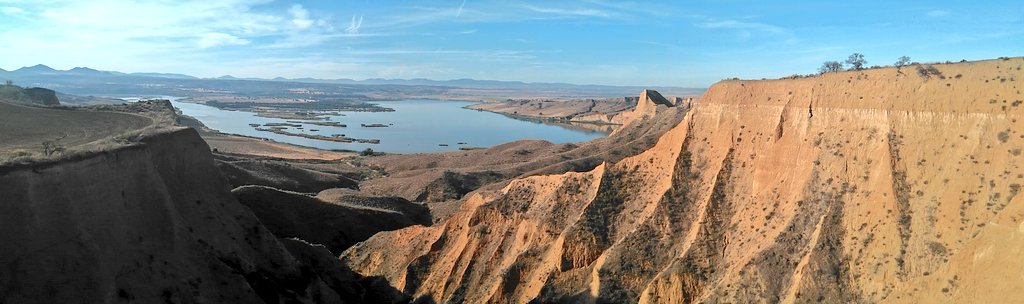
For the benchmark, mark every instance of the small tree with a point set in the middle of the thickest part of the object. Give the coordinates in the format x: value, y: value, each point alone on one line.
x: 830, y: 66
x: 856, y: 61
x: 902, y: 62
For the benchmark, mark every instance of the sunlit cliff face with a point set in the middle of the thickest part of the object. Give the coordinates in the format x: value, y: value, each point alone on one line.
x: 877, y: 185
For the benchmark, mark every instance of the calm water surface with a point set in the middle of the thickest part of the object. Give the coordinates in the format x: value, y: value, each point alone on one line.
x: 415, y: 126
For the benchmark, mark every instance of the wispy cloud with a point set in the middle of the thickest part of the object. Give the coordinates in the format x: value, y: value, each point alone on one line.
x: 741, y: 25
x: 503, y: 11
x: 357, y: 22
x: 575, y: 12
x: 663, y: 45
x: 459, y: 13
x: 208, y: 40
x: 744, y: 29
x: 645, y: 8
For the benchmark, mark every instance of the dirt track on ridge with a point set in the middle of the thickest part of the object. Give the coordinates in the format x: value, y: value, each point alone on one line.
x: 25, y: 127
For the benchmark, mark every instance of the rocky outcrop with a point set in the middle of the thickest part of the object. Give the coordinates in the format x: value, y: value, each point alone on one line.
x: 348, y: 197
x: 34, y: 96
x: 882, y: 185
x: 280, y: 175
x: 151, y: 222
x: 648, y: 105
x: 42, y: 96
x: 452, y: 185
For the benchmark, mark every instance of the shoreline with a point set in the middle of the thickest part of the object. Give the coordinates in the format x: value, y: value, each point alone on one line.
x: 561, y: 122
x: 239, y: 144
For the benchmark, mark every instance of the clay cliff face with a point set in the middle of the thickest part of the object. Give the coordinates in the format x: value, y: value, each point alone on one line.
x: 882, y: 185
x: 151, y: 222
x: 647, y: 106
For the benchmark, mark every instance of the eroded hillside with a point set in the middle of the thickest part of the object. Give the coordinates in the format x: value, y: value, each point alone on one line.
x: 882, y: 185
x: 153, y: 221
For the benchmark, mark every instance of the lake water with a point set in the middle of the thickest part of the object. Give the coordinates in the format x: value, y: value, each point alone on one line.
x: 415, y: 126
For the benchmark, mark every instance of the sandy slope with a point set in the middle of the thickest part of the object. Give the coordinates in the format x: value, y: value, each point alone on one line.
x: 871, y: 186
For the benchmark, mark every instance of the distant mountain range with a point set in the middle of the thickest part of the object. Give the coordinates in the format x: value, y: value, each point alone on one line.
x: 84, y: 80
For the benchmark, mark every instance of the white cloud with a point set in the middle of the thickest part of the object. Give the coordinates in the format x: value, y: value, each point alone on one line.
x: 300, y: 17
x: 138, y: 36
x: 209, y: 40
x: 178, y: 24
x: 11, y: 10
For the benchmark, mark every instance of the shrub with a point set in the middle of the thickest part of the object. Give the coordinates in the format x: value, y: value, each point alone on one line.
x: 856, y: 61
x: 937, y: 248
x: 830, y: 66
x: 922, y: 72
x: 903, y: 61
x: 51, y: 148
x: 927, y: 72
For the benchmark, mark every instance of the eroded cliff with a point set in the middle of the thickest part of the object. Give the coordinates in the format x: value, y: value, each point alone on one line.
x: 884, y: 185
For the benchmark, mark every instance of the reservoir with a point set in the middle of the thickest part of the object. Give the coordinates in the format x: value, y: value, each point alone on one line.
x: 415, y: 126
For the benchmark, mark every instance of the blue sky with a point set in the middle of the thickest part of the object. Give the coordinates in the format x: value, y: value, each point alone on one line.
x: 663, y: 43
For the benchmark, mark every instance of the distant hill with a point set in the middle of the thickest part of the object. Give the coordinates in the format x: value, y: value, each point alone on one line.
x: 89, y: 81
x: 82, y: 71
x: 78, y: 100
x: 39, y: 68
x: 40, y: 96
x: 164, y: 75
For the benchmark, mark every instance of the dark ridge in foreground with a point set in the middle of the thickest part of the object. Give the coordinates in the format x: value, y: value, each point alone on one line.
x: 153, y: 222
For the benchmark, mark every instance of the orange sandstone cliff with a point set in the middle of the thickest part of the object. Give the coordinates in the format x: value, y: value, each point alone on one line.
x: 881, y: 185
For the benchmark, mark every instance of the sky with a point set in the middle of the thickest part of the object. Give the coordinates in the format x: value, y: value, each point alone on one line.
x: 644, y: 43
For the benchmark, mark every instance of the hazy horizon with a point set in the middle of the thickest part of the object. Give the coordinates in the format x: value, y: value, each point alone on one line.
x: 653, y: 43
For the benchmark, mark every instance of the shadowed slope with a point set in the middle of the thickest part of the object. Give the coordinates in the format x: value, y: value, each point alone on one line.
x: 337, y: 226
